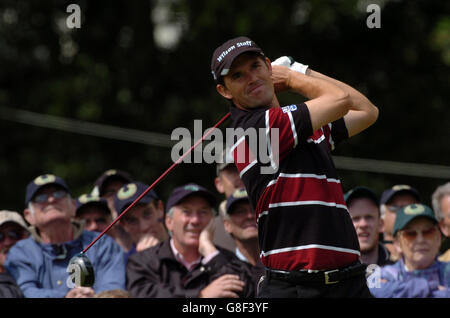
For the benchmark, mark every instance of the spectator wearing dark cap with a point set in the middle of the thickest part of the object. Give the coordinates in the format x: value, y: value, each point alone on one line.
x: 106, y: 187
x: 391, y: 201
x: 418, y: 273
x: 240, y: 223
x: 144, y: 222
x: 188, y: 264
x: 441, y: 206
x: 363, y: 206
x: 39, y: 263
x: 94, y: 211
x: 12, y: 229
x: 226, y: 182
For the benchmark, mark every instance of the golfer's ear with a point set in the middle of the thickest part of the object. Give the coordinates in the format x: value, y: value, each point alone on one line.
x: 223, y: 91
x: 269, y: 64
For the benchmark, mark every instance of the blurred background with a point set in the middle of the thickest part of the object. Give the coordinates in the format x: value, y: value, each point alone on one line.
x: 78, y: 101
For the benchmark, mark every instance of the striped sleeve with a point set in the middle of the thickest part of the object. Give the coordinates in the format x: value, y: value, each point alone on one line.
x: 335, y: 132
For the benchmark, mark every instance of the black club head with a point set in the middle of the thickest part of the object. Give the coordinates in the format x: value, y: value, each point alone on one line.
x: 81, y: 271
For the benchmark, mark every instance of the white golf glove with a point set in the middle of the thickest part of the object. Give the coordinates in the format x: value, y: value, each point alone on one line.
x: 289, y: 62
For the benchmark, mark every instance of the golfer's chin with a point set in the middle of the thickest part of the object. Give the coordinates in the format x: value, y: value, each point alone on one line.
x: 252, y: 102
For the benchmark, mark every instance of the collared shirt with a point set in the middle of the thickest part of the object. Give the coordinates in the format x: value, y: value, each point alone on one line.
x: 156, y: 273
x: 383, y: 256
x: 398, y: 281
x: 303, y: 221
x: 190, y: 265
x: 40, y: 269
x: 241, y: 256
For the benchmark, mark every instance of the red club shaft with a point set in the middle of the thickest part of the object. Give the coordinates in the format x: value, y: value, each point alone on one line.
x: 157, y: 181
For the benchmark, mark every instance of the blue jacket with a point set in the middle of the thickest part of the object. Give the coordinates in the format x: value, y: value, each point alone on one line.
x: 39, y: 273
x: 396, y: 282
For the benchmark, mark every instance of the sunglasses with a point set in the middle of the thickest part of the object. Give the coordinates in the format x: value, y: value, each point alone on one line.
x: 394, y: 208
x: 42, y: 198
x: 13, y: 235
x: 411, y: 235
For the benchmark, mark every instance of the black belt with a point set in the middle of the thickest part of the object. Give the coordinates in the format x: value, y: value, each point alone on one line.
x: 322, y: 277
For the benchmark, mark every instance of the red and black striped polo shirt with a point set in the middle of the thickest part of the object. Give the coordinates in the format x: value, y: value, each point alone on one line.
x: 303, y: 221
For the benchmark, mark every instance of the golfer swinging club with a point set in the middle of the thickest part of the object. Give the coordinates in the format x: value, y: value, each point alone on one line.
x: 307, y: 241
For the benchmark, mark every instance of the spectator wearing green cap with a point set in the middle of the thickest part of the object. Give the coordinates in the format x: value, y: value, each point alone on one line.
x: 418, y: 274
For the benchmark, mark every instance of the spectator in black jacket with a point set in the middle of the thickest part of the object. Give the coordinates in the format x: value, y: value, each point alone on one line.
x: 8, y: 287
x: 189, y: 264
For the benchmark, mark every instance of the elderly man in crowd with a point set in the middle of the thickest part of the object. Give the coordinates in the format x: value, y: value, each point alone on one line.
x: 189, y: 264
x: 392, y: 200
x: 441, y: 206
x: 39, y: 263
x: 418, y: 274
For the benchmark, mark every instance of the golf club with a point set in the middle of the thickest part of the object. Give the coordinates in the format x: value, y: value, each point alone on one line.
x: 80, y: 265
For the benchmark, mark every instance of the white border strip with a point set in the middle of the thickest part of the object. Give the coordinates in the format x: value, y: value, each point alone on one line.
x: 294, y: 132
x: 251, y: 164
x: 332, y: 204
x: 304, y: 247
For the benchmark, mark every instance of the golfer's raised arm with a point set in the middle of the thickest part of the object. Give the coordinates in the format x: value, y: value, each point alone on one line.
x: 362, y: 113
x: 327, y: 103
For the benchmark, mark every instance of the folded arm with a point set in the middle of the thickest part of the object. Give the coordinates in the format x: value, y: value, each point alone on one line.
x: 362, y: 113
x: 327, y: 101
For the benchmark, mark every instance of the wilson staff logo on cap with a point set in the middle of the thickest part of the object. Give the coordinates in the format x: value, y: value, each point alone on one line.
x: 225, y: 54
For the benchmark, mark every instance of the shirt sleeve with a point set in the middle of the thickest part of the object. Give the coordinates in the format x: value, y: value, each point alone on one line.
x: 109, y: 265
x: 22, y: 268
x: 392, y: 287
x: 335, y: 132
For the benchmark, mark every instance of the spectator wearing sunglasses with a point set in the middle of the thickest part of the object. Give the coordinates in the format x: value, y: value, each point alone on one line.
x: 12, y: 229
x: 94, y: 211
x: 391, y: 201
x: 39, y: 263
x: 418, y: 274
